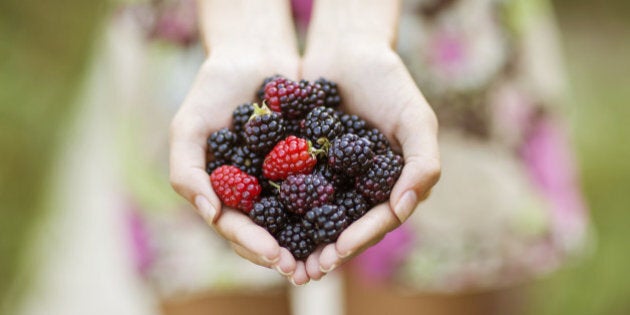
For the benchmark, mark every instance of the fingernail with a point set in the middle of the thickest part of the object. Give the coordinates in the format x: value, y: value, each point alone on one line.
x: 204, y: 207
x: 346, y: 254
x: 405, y: 205
x: 331, y: 268
x: 269, y: 260
x: 280, y: 271
x: 295, y: 284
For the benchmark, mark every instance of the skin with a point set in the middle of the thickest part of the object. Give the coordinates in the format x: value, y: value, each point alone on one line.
x: 374, y: 84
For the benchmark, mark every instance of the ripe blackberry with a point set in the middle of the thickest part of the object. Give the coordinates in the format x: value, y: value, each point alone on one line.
x: 269, y: 213
x: 332, y: 98
x: 300, y: 192
x: 350, y: 154
x: 293, y: 127
x: 321, y: 122
x: 248, y: 161
x: 324, y: 224
x: 222, y: 143
x: 240, y: 116
x: 353, y: 124
x: 380, y: 144
x: 352, y: 203
x: 260, y: 94
x: 292, y: 99
x: 340, y: 181
x: 213, y: 165
x: 376, y: 184
x: 263, y: 130
x: 294, y: 238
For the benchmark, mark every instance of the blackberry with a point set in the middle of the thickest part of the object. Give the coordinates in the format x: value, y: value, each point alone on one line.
x: 353, y: 124
x: 376, y: 184
x: 324, y: 224
x: 248, y: 161
x: 352, y: 203
x: 321, y: 122
x: 222, y: 143
x: 269, y: 213
x: 350, y: 154
x: 293, y: 127
x: 294, y: 238
x: 332, y: 98
x: 292, y: 99
x: 380, y: 144
x: 260, y: 94
x: 240, y: 116
x: 263, y: 130
x: 300, y: 192
x: 340, y: 181
x: 213, y: 165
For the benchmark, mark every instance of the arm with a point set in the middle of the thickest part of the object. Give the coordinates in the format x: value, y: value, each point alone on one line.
x: 243, y: 47
x: 351, y: 42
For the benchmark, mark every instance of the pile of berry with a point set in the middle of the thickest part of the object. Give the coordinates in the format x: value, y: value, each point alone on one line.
x: 300, y: 167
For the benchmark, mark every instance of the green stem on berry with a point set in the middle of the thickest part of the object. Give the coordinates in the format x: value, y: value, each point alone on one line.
x: 274, y: 185
x: 316, y: 152
x: 260, y: 110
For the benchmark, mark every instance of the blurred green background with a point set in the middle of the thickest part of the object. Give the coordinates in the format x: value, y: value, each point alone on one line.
x: 41, y: 70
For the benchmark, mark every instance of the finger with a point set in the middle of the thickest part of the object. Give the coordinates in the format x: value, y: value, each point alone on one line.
x: 187, y: 163
x: 417, y: 134
x: 249, y: 255
x: 300, y: 277
x: 312, y: 265
x: 363, y: 233
x: 237, y: 228
x: 287, y: 264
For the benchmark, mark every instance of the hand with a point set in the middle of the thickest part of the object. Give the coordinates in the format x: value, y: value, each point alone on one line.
x: 227, y: 79
x: 375, y: 85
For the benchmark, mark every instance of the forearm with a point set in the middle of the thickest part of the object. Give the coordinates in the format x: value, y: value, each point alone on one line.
x: 251, y: 26
x: 353, y: 22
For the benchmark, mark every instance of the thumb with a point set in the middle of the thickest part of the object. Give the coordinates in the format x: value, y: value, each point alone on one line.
x: 187, y: 164
x: 417, y: 134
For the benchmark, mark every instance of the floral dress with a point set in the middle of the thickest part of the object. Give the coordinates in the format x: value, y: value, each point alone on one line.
x: 507, y: 208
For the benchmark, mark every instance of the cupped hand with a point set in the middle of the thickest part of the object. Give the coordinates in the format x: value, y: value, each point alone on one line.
x: 225, y: 80
x: 375, y: 84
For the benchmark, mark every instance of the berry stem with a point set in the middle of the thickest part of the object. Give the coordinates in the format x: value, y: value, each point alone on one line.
x: 260, y: 110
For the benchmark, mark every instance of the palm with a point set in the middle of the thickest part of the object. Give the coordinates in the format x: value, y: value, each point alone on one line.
x: 376, y: 85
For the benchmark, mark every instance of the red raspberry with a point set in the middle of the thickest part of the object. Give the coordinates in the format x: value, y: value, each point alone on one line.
x: 235, y: 188
x: 290, y: 156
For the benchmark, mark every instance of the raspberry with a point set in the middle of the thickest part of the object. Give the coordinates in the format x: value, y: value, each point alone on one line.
x: 321, y: 122
x: 269, y: 213
x: 350, y: 154
x: 332, y: 98
x: 292, y: 99
x: 380, y: 144
x: 294, y: 238
x: 260, y: 94
x: 222, y: 143
x: 213, y: 165
x: 324, y: 224
x: 263, y: 130
x: 235, y: 188
x: 247, y: 161
x: 292, y: 155
x: 352, y: 203
x: 376, y: 184
x: 240, y: 116
x: 339, y: 180
x: 300, y: 193
x: 353, y: 124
